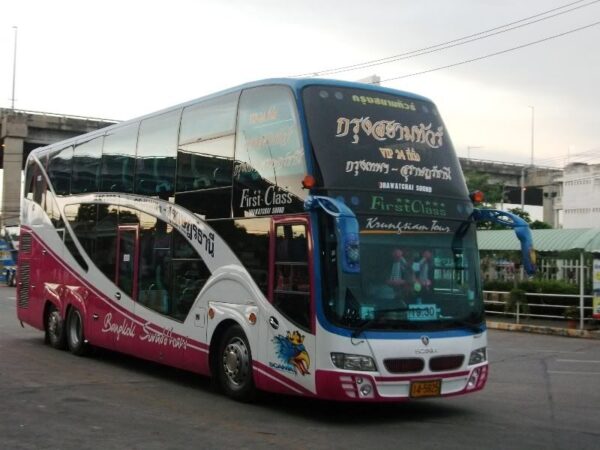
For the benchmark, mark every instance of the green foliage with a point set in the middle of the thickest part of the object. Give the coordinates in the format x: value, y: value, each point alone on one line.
x: 477, y: 181
x: 539, y: 225
x: 534, y: 286
x: 571, y: 313
x: 516, y: 297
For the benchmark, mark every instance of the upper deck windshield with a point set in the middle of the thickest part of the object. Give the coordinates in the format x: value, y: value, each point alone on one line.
x: 389, y: 158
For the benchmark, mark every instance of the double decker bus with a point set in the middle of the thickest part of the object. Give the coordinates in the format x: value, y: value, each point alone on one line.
x: 300, y: 236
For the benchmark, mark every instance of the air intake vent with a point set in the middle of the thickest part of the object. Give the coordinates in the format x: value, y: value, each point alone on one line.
x: 450, y: 362
x: 25, y: 243
x: 404, y: 365
x: 23, y: 295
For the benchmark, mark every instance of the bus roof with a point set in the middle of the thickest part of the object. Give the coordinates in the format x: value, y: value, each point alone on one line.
x: 296, y: 84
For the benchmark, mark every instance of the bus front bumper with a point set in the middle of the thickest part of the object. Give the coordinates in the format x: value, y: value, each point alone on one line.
x: 363, y: 386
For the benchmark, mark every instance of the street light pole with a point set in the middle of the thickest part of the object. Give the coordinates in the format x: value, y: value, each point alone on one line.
x: 12, y: 105
x: 532, y: 131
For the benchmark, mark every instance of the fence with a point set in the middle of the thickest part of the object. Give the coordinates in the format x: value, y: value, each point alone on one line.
x: 547, y: 308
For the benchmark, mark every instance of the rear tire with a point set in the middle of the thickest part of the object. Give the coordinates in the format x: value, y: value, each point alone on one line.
x: 55, y: 329
x: 75, y: 333
x: 234, y: 365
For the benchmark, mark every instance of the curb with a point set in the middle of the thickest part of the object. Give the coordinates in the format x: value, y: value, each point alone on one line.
x: 554, y: 331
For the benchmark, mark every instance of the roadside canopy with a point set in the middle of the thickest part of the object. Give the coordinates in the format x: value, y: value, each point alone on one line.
x: 563, y: 240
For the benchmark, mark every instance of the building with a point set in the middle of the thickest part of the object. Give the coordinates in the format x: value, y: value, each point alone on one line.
x: 581, y: 196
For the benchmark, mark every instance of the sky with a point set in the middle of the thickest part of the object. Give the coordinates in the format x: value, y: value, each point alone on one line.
x: 122, y: 59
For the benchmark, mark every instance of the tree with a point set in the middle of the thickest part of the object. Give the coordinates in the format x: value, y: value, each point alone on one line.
x: 477, y: 181
x: 534, y: 225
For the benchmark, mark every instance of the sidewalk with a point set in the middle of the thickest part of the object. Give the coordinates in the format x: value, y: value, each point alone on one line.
x: 549, y: 327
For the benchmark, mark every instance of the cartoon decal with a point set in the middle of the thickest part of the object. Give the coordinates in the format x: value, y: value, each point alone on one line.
x: 292, y: 354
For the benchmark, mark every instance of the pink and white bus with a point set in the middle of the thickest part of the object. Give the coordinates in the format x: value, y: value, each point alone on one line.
x: 307, y: 237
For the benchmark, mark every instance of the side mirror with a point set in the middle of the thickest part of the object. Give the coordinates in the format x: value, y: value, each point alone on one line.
x: 346, y: 228
x: 522, y: 231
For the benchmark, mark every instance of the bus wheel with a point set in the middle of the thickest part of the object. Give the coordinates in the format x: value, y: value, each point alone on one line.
x: 235, y: 365
x: 75, y: 337
x: 55, y: 329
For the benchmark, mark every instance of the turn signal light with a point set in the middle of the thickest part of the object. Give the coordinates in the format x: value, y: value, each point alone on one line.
x: 309, y: 182
x: 477, y: 197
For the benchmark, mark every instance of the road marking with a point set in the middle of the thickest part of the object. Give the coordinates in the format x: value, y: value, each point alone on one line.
x: 585, y: 361
x: 564, y: 372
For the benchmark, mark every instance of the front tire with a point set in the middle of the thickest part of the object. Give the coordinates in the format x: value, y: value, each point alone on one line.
x: 55, y: 329
x: 234, y: 368
x: 75, y: 333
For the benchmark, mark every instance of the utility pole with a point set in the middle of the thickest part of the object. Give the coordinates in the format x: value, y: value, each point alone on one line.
x: 12, y: 103
x: 532, y: 131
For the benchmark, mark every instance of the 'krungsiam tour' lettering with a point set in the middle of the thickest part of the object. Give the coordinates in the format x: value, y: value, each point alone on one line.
x: 374, y: 223
x: 382, y: 130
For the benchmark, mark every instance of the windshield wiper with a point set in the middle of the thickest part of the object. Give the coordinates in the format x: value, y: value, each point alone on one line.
x: 377, y: 316
x: 477, y: 327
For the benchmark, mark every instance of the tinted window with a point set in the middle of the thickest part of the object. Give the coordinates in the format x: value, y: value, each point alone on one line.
x: 154, y: 280
x: 189, y: 276
x: 106, y: 239
x: 205, y: 157
x: 156, y: 153
x: 118, y: 157
x: 205, y: 164
x: 379, y: 141
x: 291, y: 293
x: 35, y: 186
x: 82, y: 218
x: 249, y: 239
x: 86, y: 166
x: 210, y: 203
x: 270, y: 162
x: 211, y: 118
x: 59, y: 171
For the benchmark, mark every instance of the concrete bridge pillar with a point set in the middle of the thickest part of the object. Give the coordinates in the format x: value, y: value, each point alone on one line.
x: 13, y: 134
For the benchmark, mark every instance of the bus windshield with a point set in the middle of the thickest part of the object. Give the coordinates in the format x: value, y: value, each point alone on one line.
x: 390, y: 160
x: 407, y: 280
x: 372, y: 140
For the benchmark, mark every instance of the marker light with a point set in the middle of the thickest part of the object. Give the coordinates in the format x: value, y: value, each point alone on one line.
x: 252, y: 318
x: 477, y: 197
x: 211, y: 313
x: 309, y: 182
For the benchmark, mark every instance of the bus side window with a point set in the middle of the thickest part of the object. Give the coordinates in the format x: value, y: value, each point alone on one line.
x: 59, y: 171
x: 35, y: 186
x: 118, y: 157
x: 291, y: 293
x: 189, y: 276
x: 155, y: 156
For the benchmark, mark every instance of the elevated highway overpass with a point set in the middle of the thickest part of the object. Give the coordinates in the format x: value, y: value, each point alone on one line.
x: 22, y: 131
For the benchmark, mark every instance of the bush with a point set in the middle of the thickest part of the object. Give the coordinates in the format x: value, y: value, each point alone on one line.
x: 517, y: 297
x: 497, y: 285
x: 571, y: 313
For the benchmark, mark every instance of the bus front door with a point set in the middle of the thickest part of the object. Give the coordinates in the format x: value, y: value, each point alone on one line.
x: 291, y: 335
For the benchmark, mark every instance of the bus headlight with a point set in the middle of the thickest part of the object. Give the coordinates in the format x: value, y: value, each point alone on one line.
x: 353, y: 362
x: 478, y: 356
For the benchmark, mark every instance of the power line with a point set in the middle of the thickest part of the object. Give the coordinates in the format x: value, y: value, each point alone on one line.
x: 453, y: 43
x: 489, y: 55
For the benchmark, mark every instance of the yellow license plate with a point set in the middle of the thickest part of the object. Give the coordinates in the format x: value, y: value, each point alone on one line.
x: 430, y: 388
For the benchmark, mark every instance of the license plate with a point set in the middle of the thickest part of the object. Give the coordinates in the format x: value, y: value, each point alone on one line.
x: 431, y: 388
x: 422, y: 312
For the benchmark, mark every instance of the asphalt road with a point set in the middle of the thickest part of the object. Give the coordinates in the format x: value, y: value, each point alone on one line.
x: 543, y: 392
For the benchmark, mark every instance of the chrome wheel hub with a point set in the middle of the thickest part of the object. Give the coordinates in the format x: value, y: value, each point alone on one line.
x: 236, y: 361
